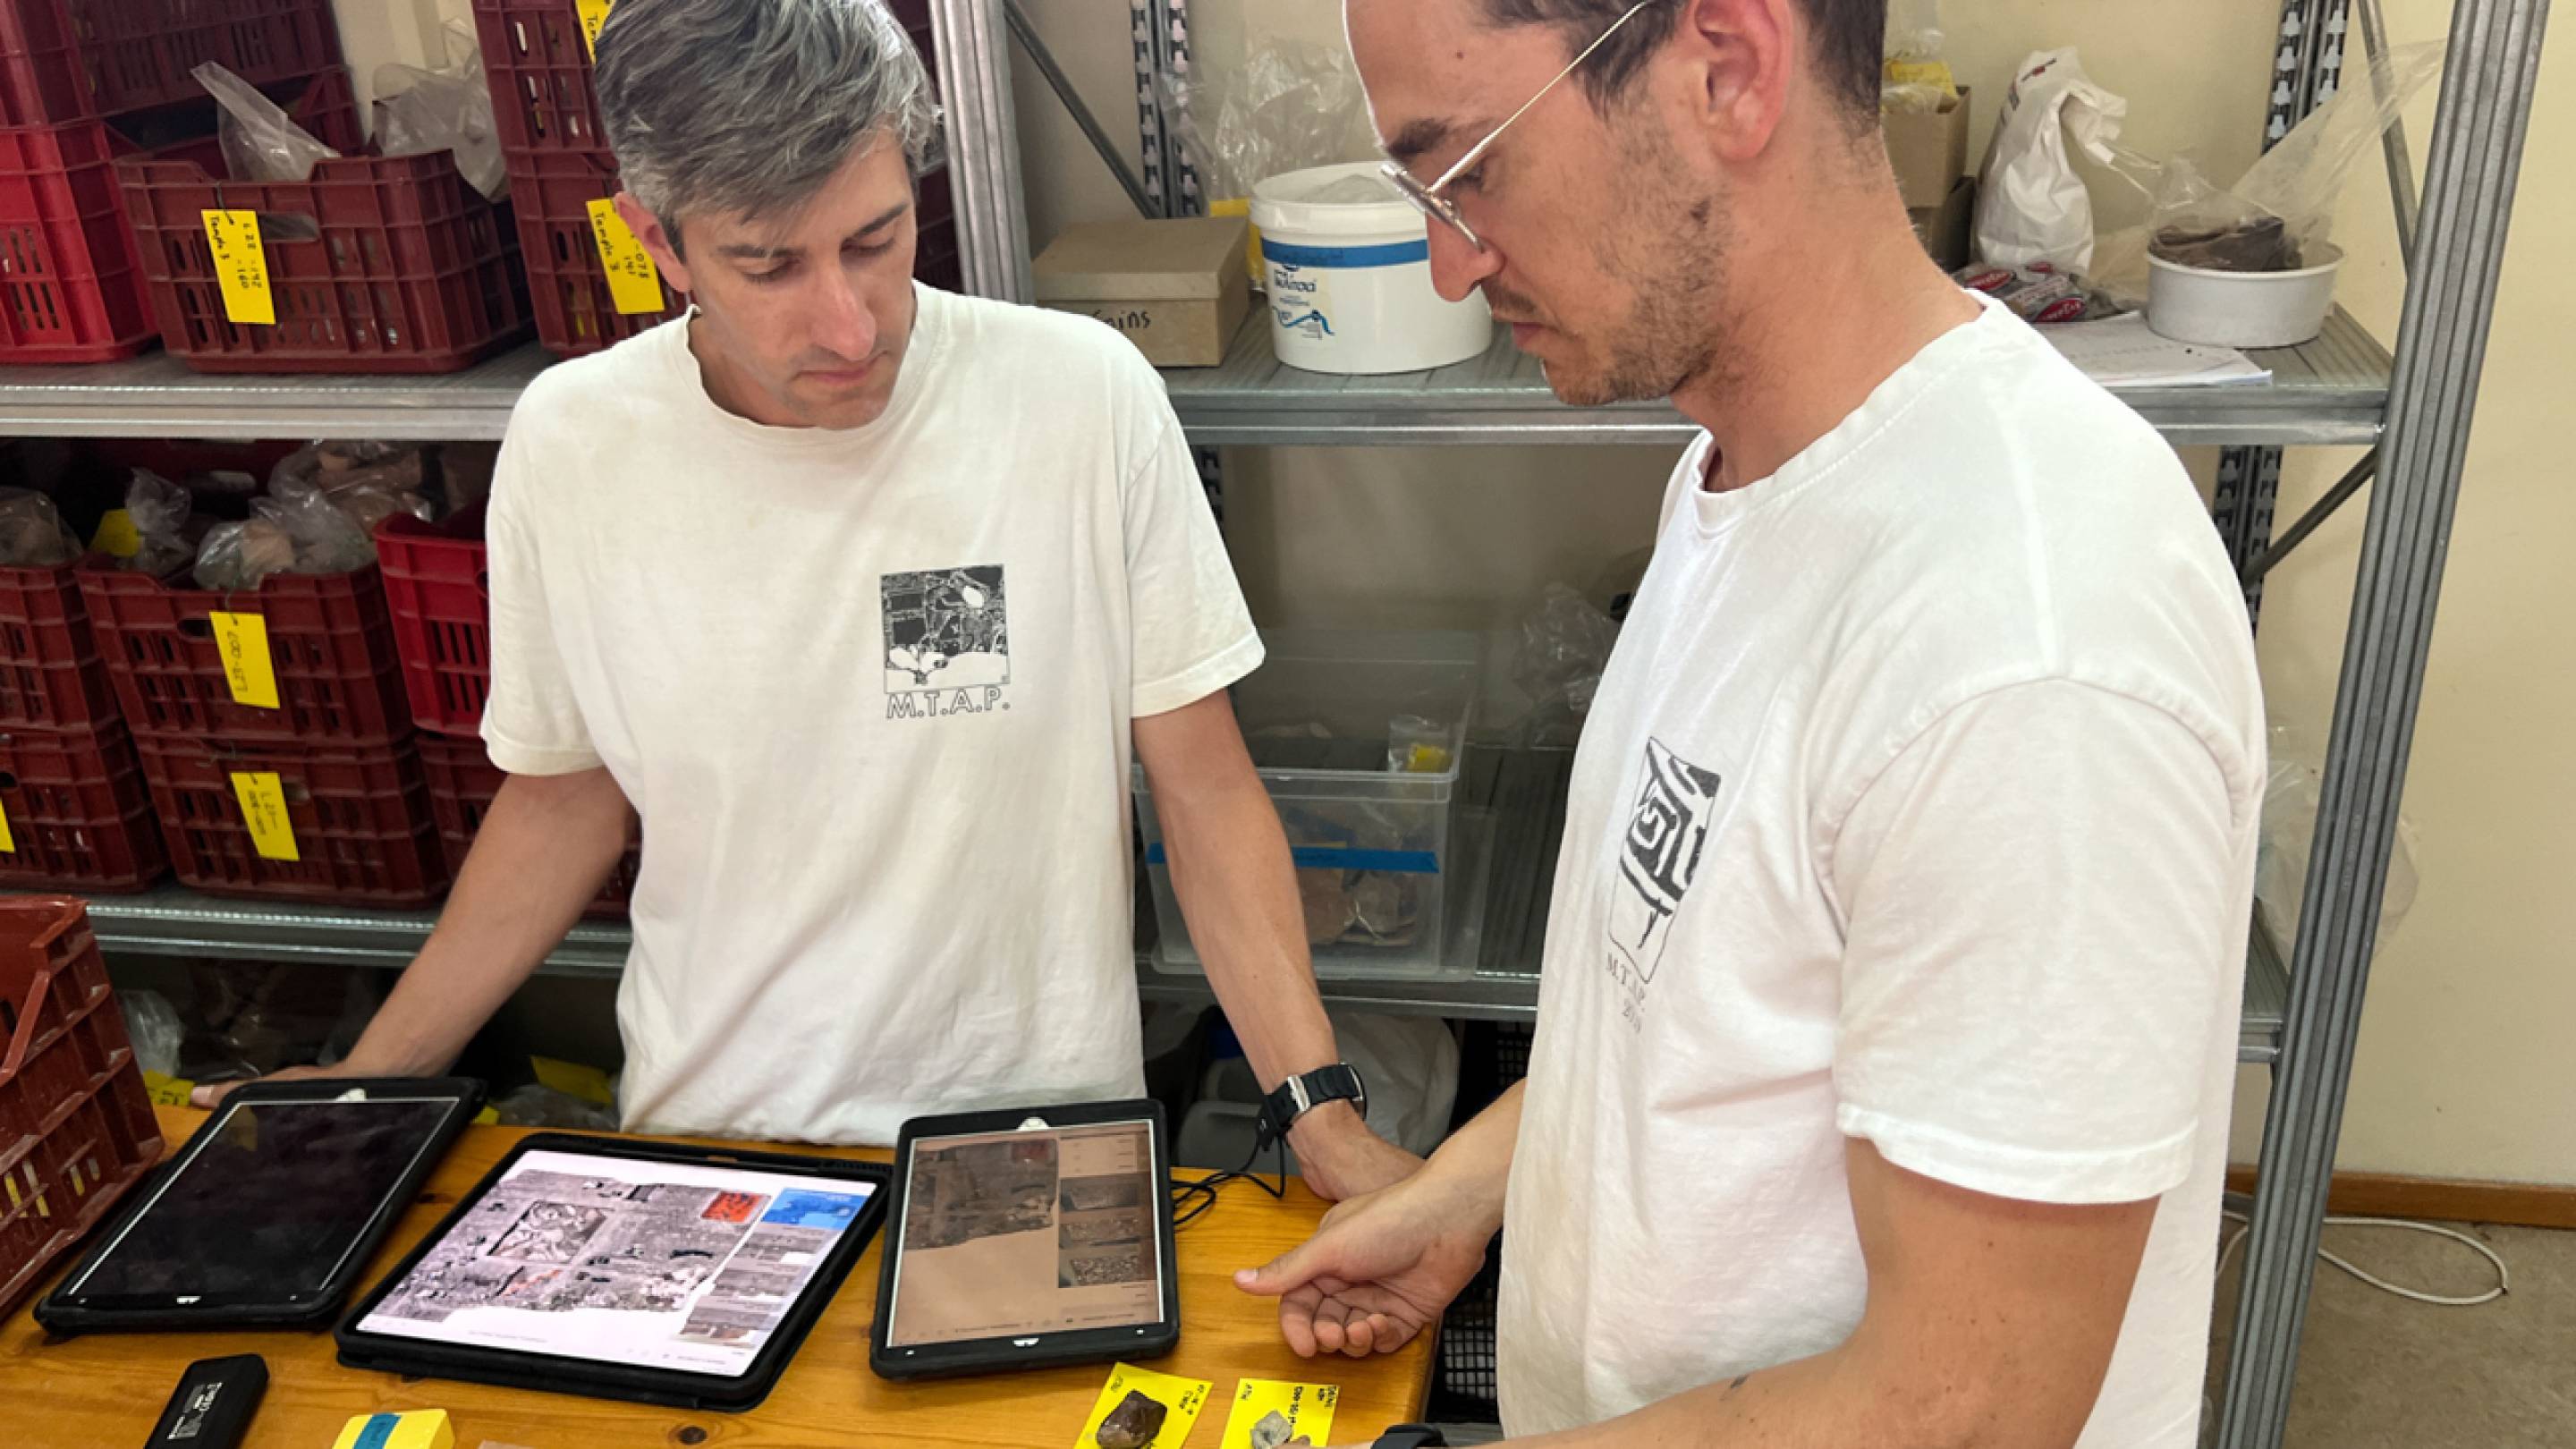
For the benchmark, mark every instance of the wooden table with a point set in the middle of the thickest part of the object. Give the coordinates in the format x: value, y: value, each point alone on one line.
x: 104, y: 1391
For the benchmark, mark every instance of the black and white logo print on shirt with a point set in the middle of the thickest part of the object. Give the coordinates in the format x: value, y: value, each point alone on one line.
x: 1658, y: 859
x: 947, y: 642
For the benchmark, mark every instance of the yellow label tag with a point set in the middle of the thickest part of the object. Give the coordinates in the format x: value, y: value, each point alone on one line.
x: 116, y: 536
x: 488, y: 1117
x: 166, y: 1090
x: 1182, y: 1397
x: 634, y: 283
x: 1308, y: 1408
x: 263, y: 803
x: 574, y: 1080
x: 243, y: 638
x: 8, y: 842
x: 241, y: 266
x: 594, y: 14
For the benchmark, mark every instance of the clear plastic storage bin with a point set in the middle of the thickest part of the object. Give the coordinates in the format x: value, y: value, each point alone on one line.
x: 1359, y: 737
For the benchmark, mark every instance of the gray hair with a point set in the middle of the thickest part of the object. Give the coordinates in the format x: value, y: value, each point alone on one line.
x: 749, y: 105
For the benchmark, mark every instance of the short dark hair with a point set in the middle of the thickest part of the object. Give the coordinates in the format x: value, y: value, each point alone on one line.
x: 1850, y: 39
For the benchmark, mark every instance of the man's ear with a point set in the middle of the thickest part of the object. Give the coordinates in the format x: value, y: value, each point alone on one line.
x: 658, y: 242
x: 1742, y: 55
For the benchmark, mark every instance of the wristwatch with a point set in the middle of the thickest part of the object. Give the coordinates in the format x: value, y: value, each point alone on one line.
x: 1298, y: 1096
x: 1411, y: 1436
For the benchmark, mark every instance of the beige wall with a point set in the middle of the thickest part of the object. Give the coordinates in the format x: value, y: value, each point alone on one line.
x: 2465, y: 1069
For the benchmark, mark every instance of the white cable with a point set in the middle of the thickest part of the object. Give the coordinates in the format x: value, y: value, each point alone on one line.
x: 2504, y: 1280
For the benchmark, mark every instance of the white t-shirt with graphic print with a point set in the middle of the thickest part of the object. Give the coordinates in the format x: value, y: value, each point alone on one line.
x: 870, y: 691
x: 1918, y: 805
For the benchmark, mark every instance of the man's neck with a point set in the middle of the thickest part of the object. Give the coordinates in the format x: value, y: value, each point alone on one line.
x: 1819, y: 325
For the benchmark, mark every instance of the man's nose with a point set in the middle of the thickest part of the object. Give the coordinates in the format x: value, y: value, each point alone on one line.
x: 843, y: 322
x: 1457, y: 266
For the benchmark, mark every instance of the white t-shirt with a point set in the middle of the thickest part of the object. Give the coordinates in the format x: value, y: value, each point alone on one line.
x: 870, y: 691
x: 1918, y: 805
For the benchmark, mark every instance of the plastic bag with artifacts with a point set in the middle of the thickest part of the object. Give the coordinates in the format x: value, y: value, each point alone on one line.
x: 260, y: 143
x: 161, y: 512
x: 447, y: 109
x: 32, y: 534
x: 368, y: 481
x: 299, y: 532
x: 1916, y: 78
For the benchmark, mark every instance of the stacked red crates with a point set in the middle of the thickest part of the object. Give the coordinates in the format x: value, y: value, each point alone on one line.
x: 439, y: 591
x: 547, y: 113
x: 76, y: 1123
x: 85, y: 81
x: 74, y: 813
x: 272, y: 733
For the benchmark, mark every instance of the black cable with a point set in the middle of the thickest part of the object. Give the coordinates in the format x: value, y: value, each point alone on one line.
x: 1190, y: 1201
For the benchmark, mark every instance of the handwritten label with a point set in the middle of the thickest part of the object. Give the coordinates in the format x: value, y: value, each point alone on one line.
x: 1183, y: 1397
x: 634, y: 283
x: 8, y: 842
x: 594, y: 14
x: 263, y: 804
x: 243, y: 640
x: 167, y: 1091
x: 117, y: 536
x: 241, y: 266
x: 1308, y: 1408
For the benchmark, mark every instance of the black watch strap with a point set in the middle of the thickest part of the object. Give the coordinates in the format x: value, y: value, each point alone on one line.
x: 1411, y: 1436
x: 1298, y: 1096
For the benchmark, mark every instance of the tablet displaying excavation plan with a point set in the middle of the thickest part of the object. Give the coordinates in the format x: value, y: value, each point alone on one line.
x: 655, y: 1265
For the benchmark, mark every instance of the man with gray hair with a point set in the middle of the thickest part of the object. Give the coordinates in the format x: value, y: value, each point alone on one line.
x: 863, y: 595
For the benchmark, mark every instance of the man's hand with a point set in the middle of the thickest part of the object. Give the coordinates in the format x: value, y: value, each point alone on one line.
x: 1380, y: 1270
x: 212, y: 1094
x: 1342, y: 1158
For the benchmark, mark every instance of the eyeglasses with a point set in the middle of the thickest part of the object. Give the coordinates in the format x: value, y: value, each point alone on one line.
x: 1428, y: 199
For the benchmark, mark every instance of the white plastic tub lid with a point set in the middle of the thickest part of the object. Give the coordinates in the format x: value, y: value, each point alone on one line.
x: 1351, y: 200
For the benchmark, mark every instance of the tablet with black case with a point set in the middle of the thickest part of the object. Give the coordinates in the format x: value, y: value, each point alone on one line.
x: 625, y: 1270
x: 1027, y: 1238
x: 267, y: 1216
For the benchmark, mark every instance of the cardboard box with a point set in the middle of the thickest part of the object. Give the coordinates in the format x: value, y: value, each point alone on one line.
x: 1929, y: 151
x: 1174, y: 288
x: 1945, y: 229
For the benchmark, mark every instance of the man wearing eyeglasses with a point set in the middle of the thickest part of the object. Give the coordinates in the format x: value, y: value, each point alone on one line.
x: 1886, y: 1034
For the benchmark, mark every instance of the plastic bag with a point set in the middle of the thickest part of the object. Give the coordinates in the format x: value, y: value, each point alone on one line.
x: 260, y: 143
x: 1916, y: 77
x: 1291, y: 106
x: 537, y: 1105
x: 2031, y: 206
x: 299, y: 533
x: 368, y: 481
x: 2291, y: 799
x: 448, y: 109
x: 159, y: 510
x: 152, y: 1024
x: 1565, y: 644
x: 2283, y: 208
x: 32, y: 534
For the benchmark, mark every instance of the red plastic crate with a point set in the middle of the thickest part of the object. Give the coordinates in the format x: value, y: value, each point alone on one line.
x: 463, y: 782
x: 70, y: 286
x: 76, y: 1125
x: 409, y: 269
x: 78, y: 813
x: 71, y: 60
x: 441, y: 602
x: 551, y: 192
x: 359, y: 815
x: 51, y: 675
x: 330, y: 647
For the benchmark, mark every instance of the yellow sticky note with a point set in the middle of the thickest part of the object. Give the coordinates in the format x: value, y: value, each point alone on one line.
x: 1308, y: 1408
x: 263, y: 803
x: 116, y: 536
x: 594, y: 14
x: 574, y: 1080
x: 243, y: 638
x: 488, y: 1117
x: 241, y: 266
x: 8, y: 842
x: 415, y: 1429
x: 1183, y: 1397
x: 166, y: 1090
x: 634, y: 283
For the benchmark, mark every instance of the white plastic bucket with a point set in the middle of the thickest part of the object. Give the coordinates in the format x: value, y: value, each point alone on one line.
x: 1348, y: 264
x: 2242, y: 309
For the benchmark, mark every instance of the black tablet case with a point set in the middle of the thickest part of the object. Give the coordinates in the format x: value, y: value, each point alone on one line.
x: 1001, y: 1355
x: 61, y: 1317
x: 555, y: 1374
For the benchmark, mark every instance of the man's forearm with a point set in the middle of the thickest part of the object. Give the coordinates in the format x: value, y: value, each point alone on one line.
x: 545, y: 848
x: 1231, y: 869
